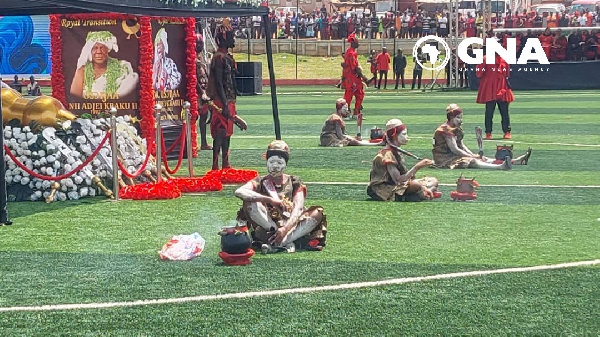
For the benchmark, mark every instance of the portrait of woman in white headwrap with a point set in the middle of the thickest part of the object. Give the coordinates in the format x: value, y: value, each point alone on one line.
x: 165, y: 75
x: 98, y: 74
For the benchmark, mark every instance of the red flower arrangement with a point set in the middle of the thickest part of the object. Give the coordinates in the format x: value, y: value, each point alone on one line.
x: 58, y: 78
x: 199, y: 184
x: 232, y: 176
x: 146, y: 92
x: 192, y: 95
x: 165, y: 189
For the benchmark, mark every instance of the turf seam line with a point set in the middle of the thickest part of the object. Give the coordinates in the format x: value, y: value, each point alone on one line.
x: 279, y: 292
x: 445, y: 184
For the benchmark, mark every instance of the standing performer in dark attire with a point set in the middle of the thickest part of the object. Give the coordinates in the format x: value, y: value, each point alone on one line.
x: 221, y: 88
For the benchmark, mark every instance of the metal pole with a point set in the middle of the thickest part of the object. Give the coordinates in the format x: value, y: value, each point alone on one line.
x: 188, y: 137
x: 157, y: 142
x: 296, y: 32
x: 113, y: 148
x: 455, y: 44
x: 3, y: 193
x: 272, y: 81
x: 248, y: 34
x: 395, y: 31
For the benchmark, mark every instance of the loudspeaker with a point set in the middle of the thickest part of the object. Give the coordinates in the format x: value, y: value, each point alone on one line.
x: 248, y: 79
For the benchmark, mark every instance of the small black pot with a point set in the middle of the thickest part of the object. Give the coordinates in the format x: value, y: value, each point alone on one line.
x: 235, y: 239
x: 376, y: 133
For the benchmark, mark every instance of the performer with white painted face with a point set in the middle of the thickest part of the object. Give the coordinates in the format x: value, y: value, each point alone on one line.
x: 274, y: 208
x: 333, y: 132
x: 449, y: 150
x: 390, y: 179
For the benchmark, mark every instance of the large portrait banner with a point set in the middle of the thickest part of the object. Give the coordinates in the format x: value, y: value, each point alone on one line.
x: 169, y: 68
x: 100, y: 58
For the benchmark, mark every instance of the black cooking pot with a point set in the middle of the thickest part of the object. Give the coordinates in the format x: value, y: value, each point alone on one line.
x: 235, y: 239
x: 376, y: 133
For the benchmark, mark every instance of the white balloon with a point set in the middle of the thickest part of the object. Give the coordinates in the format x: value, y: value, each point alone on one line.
x: 73, y: 195
x: 26, y: 128
x: 83, y: 192
x: 69, y: 182
x: 25, y: 180
x: 61, y: 196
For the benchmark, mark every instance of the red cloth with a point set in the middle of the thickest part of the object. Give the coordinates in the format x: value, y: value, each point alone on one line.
x: 493, y: 85
x: 217, y: 121
x: 383, y: 61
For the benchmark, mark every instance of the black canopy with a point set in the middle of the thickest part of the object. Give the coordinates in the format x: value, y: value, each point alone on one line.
x: 137, y: 7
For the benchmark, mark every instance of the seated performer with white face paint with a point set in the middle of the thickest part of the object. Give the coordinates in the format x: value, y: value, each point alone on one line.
x: 334, y: 129
x: 274, y: 208
x: 390, y: 179
x: 449, y: 151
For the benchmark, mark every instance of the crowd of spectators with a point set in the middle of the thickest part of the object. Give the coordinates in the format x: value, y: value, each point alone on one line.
x: 324, y: 25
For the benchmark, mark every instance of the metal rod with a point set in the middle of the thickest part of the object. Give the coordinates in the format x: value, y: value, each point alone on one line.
x: 158, y: 142
x: 188, y: 137
x: 272, y: 80
x: 3, y: 192
x: 248, y: 35
x: 114, y: 148
x: 296, y: 32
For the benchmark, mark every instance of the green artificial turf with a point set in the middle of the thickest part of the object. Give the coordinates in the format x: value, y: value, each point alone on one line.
x: 94, y: 250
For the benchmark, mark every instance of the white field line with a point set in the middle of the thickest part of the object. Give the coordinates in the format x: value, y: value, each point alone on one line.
x: 481, y: 185
x: 279, y: 292
x: 415, y: 137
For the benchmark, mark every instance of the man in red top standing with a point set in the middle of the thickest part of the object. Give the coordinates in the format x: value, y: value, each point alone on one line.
x: 470, y: 25
x: 494, y: 89
x: 353, y: 76
x: 383, y: 65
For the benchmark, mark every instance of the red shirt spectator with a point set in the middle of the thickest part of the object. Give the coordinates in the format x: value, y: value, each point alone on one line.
x: 471, y: 28
x: 383, y: 61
